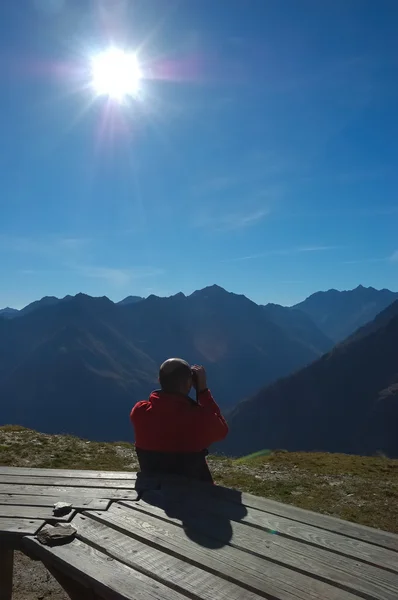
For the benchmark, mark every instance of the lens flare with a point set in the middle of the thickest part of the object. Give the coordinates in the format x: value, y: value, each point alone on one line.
x: 116, y: 74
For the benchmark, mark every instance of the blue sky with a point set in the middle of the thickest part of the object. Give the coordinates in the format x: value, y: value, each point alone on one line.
x: 261, y: 153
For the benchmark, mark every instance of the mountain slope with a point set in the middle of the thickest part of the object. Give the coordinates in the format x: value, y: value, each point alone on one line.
x: 299, y: 326
x: 68, y: 368
x: 382, y: 319
x: 8, y: 313
x: 347, y: 401
x: 79, y: 364
x: 231, y: 335
x: 46, y: 301
x: 130, y: 300
x: 339, y: 314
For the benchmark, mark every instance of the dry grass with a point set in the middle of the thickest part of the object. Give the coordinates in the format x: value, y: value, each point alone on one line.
x: 20, y: 447
x: 359, y: 489
x: 356, y: 488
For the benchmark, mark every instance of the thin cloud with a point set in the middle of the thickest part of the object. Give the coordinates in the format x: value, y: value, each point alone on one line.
x: 317, y: 248
x: 362, y: 261
x: 13, y: 243
x: 239, y: 221
x: 392, y: 258
x: 118, y: 277
x: 260, y: 171
x: 375, y: 211
x: 284, y: 252
x: 42, y: 245
x: 232, y: 221
x: 29, y: 271
x: 216, y: 184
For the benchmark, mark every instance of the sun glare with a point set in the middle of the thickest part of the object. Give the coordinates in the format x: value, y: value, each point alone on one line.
x: 116, y: 74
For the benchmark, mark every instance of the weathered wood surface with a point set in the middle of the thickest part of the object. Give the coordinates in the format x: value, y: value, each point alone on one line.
x: 6, y: 571
x: 178, y: 539
x: 360, y: 532
x: 170, y: 570
x: 82, y: 503
x: 69, y: 473
x: 185, y: 569
x: 12, y: 530
x: 109, y: 578
x: 24, y: 507
x: 334, y: 567
x: 259, y: 564
x: 269, y: 523
x: 119, y: 484
x: 32, y: 512
x: 63, y: 493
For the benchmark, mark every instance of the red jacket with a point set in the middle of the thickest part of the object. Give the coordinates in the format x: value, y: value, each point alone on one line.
x: 174, y: 423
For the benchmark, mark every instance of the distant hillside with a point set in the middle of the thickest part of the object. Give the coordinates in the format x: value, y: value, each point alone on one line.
x: 347, y: 401
x: 68, y: 367
x: 8, y: 312
x: 79, y: 364
x: 339, y: 314
x: 230, y: 334
x: 299, y: 326
x: 91, y: 359
x: 46, y: 301
x: 130, y: 300
x: 381, y: 320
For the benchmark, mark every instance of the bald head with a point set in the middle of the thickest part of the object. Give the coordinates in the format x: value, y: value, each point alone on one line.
x: 175, y: 376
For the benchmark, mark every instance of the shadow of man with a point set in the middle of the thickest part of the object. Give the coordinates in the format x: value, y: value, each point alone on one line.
x: 205, y: 512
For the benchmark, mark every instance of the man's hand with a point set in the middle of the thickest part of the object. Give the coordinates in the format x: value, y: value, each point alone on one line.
x: 200, y: 377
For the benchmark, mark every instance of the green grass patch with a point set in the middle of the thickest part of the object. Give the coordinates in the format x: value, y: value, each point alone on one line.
x: 259, y: 454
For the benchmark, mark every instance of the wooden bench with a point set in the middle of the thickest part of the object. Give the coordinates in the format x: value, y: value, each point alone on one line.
x: 167, y: 539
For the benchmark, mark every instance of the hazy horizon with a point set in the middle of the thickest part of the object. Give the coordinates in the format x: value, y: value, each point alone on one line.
x: 186, y: 293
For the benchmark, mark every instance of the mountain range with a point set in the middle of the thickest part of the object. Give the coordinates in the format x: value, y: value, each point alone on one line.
x: 339, y: 314
x: 78, y: 364
x: 346, y: 401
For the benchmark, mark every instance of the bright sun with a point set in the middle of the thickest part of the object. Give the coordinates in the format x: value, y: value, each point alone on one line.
x: 116, y: 74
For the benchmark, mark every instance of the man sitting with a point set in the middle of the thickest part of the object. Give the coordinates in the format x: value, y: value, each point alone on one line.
x: 172, y: 431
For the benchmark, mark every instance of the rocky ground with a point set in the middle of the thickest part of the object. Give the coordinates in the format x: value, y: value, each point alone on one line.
x: 32, y: 581
x: 359, y: 489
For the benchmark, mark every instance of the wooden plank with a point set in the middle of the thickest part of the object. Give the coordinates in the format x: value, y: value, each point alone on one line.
x: 348, y: 547
x: 6, y: 572
x: 49, y: 501
x: 13, y: 530
x: 317, y: 562
x: 346, y: 528
x: 32, y: 512
x: 69, y: 473
x: 109, y: 578
x: 62, y: 493
x: 120, y: 484
x: 251, y: 572
x: 165, y: 568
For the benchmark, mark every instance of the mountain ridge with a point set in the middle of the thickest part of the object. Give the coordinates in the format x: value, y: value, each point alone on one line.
x: 88, y: 353
x: 339, y: 313
x: 91, y: 353
x: 346, y: 401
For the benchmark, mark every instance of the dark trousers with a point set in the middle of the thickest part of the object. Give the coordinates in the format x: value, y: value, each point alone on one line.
x: 192, y: 465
